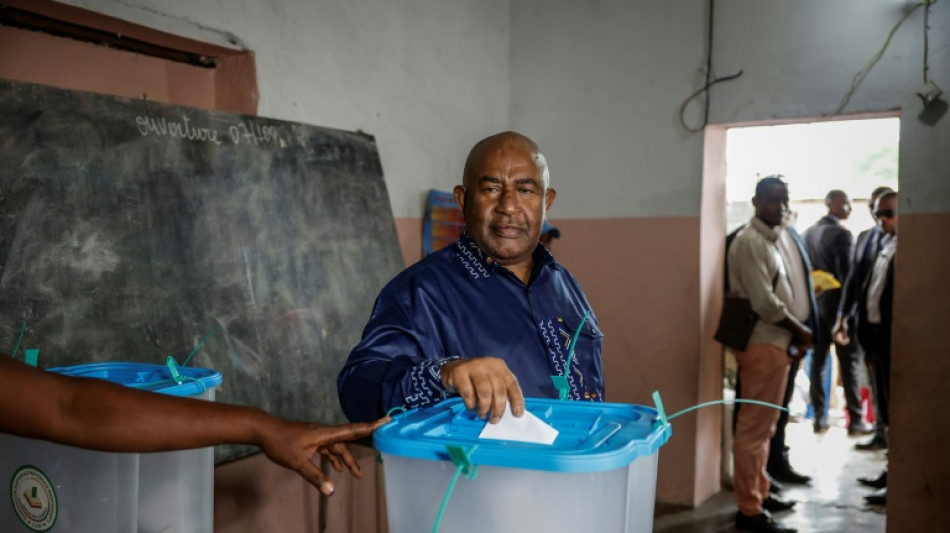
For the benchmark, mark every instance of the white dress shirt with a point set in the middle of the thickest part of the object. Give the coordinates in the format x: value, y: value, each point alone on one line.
x: 879, y: 276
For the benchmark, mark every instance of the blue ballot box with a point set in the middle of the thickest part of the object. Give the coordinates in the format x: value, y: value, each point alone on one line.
x: 598, y: 475
x: 52, y: 487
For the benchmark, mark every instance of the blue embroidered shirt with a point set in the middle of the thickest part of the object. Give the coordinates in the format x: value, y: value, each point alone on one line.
x: 459, y: 303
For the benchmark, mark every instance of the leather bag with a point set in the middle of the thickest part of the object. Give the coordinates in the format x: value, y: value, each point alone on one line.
x: 736, y: 322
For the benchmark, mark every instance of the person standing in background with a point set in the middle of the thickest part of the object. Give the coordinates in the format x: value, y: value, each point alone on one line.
x: 768, y: 266
x: 875, y: 316
x: 829, y: 248
x: 798, y: 269
x: 866, y: 248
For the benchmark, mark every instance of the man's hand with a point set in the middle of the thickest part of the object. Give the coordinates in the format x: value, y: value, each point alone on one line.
x: 801, y: 334
x: 803, y: 338
x: 293, y: 444
x: 840, y: 331
x: 796, y: 352
x: 800, y: 343
x: 485, y: 383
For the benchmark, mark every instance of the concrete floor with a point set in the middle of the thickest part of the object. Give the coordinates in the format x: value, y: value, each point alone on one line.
x: 834, y: 502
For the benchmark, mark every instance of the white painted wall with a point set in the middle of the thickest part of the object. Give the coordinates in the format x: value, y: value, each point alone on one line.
x: 427, y: 78
x: 600, y: 84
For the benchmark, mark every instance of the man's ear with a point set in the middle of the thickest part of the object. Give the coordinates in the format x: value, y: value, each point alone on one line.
x: 459, y: 193
x: 549, y: 196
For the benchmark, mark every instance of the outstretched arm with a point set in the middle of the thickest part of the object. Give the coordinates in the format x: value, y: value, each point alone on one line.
x: 99, y: 415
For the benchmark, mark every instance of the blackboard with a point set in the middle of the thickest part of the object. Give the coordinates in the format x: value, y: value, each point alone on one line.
x: 130, y: 230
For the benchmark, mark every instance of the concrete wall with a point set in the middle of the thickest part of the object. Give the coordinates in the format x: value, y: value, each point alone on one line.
x: 919, y: 472
x: 599, y: 85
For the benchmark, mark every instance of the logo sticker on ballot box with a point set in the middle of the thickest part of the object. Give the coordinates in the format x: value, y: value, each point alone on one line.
x: 33, y: 498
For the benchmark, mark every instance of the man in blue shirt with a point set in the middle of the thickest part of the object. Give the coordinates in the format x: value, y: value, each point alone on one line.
x: 491, y: 318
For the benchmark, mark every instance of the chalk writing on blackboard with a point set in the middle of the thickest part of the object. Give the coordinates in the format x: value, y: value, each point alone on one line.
x: 243, y: 132
x: 252, y: 133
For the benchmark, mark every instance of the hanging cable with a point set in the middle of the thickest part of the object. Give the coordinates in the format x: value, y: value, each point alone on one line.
x: 709, y: 43
x: 926, y: 40
x: 710, y: 81
x: 859, y: 77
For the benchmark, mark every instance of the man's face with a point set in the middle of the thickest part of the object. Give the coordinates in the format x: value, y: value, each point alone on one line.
x: 872, y: 202
x: 504, y: 201
x: 840, y: 206
x: 772, y: 206
x: 886, y: 214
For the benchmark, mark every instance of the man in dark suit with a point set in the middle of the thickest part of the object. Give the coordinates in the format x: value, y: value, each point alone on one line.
x: 875, y: 315
x: 829, y: 248
x: 853, y: 300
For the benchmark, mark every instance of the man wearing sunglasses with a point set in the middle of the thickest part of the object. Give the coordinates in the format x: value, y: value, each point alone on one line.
x: 853, y: 299
x: 876, y: 316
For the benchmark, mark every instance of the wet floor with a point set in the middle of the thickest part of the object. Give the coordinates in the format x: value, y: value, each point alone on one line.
x: 833, y: 502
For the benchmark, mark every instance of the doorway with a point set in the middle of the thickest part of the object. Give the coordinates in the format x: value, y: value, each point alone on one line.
x: 854, y: 155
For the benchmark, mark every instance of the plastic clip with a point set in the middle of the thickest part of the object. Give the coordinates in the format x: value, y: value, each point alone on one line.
x: 173, y: 368
x: 463, y: 459
x: 562, y: 386
x: 379, y: 457
x: 31, y: 356
x: 396, y: 408
x: 661, y: 420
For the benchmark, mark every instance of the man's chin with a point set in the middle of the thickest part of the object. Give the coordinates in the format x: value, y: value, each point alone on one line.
x: 505, y: 255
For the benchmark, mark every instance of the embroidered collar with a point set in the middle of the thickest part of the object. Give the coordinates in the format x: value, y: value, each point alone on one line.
x: 481, y: 265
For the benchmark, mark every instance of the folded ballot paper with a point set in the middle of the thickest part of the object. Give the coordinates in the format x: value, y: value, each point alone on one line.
x: 824, y: 281
x: 527, y: 428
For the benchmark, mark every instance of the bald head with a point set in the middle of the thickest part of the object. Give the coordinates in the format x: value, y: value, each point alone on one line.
x: 838, y: 204
x: 506, y: 140
x: 504, y: 197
